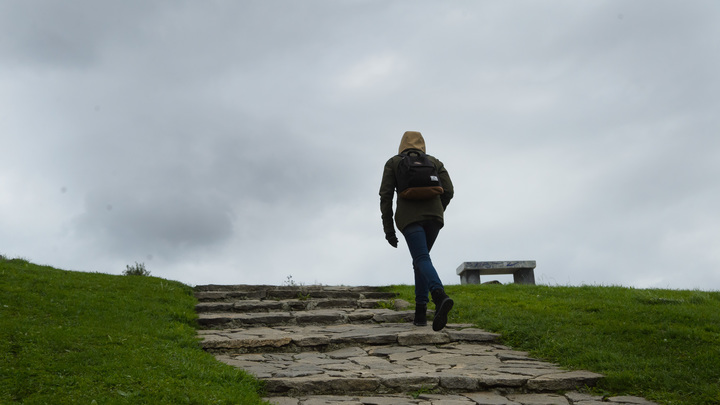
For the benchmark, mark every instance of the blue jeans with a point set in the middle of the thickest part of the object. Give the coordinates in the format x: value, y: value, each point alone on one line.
x: 420, y: 237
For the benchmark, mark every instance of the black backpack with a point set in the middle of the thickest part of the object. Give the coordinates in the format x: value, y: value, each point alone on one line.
x: 417, y: 177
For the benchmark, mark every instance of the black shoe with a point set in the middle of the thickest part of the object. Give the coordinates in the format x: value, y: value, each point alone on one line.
x: 420, y: 315
x: 443, y: 305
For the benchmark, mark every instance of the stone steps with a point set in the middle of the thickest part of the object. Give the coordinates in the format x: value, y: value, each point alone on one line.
x: 322, y: 345
x: 253, y: 305
x: 310, y: 317
x: 214, y: 293
x: 320, y: 338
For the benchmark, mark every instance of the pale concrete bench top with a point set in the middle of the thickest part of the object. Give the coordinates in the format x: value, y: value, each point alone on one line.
x: 522, y: 271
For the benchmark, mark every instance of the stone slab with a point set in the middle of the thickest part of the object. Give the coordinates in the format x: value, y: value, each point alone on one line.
x: 470, y: 398
x: 539, y: 399
x: 341, y: 335
x: 563, y: 381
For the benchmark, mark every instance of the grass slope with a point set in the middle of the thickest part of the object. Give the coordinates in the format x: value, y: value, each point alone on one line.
x: 72, y: 337
x: 663, y: 345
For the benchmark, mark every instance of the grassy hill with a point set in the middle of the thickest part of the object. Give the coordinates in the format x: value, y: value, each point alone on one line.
x: 72, y: 337
x: 663, y: 345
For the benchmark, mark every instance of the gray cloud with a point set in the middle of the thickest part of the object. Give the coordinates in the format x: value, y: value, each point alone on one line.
x: 245, y: 141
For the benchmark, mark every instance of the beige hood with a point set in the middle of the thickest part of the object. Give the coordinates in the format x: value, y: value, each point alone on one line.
x: 412, y: 140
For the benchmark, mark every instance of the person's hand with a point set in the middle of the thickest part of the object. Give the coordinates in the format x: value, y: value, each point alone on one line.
x: 392, y: 239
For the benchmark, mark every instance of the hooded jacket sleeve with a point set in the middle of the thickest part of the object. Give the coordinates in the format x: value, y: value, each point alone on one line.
x: 387, y: 193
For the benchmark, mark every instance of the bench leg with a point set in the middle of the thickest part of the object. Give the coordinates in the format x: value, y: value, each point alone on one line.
x: 470, y: 277
x: 524, y: 276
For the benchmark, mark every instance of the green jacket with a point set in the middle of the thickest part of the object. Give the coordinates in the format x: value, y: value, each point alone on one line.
x: 411, y: 211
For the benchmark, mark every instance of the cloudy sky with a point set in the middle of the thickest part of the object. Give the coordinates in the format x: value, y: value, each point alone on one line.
x: 243, y: 141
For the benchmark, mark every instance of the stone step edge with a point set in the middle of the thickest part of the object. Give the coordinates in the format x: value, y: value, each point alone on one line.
x: 268, y: 287
x: 250, y: 306
x: 313, y: 317
x: 436, y: 382
x: 478, y: 397
x: 205, y: 296
x: 218, y: 342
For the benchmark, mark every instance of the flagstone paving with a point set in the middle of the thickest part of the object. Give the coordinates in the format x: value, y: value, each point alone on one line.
x: 357, y: 345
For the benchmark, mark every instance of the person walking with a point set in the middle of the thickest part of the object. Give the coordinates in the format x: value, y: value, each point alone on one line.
x: 419, y: 218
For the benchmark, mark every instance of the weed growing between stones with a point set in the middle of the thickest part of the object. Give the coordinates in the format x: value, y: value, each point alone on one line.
x: 423, y: 390
x: 302, y: 295
x: 290, y: 282
x: 387, y: 304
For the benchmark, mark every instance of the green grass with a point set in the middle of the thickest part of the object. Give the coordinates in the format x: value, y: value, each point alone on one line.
x: 663, y: 345
x: 72, y: 337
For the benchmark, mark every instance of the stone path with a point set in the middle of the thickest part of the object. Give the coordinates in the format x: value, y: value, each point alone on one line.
x: 357, y: 345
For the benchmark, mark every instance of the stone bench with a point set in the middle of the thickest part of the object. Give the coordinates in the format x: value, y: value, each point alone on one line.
x: 522, y: 271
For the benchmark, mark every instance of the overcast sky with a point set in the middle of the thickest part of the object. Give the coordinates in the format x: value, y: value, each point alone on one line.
x: 244, y: 141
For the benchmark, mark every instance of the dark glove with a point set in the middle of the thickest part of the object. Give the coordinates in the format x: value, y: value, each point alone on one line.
x: 392, y: 239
